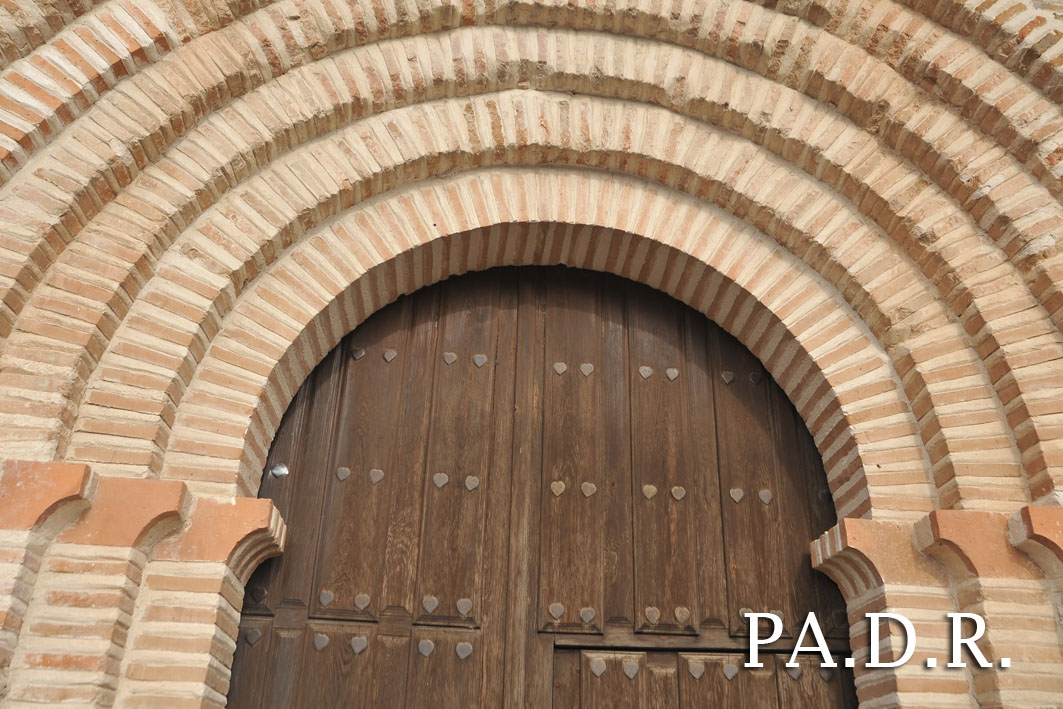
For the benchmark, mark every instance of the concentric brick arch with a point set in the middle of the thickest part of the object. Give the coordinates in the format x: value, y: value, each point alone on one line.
x: 323, y: 287
x: 1015, y: 388
x: 167, y: 167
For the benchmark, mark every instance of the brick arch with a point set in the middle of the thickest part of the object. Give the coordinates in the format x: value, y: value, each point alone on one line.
x: 899, y: 305
x: 1000, y: 342
x: 885, y: 107
x: 837, y: 375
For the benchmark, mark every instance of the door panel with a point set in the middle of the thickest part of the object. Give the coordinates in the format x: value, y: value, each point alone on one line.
x: 498, y: 481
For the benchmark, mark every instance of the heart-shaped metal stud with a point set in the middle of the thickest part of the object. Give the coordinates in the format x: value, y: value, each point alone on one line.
x: 253, y: 636
x: 359, y: 643
x: 631, y: 668
x: 755, y: 377
x: 320, y: 641
x: 557, y: 487
x: 560, y: 367
x: 479, y: 360
x: 440, y: 479
x: 326, y: 597
x: 679, y: 492
x: 588, y: 489
x: 425, y: 647
x: 343, y: 473
x: 730, y: 671
x: 258, y: 593
x: 598, y: 666
x: 696, y: 669
x: 361, y: 601
x: 652, y: 615
x: 390, y: 354
x: 357, y: 353
x: 826, y: 673
x: 471, y: 482
x: 376, y: 475
x: 280, y: 470
x: 430, y: 603
x: 649, y: 491
x: 765, y: 496
x: 672, y: 373
x: 586, y: 614
x: 645, y: 372
x: 464, y: 606
x: 682, y: 615
x: 795, y: 672
x: 737, y: 494
x: 556, y: 610
x: 728, y: 376
x: 463, y: 650
x: 449, y: 358
x: 587, y: 369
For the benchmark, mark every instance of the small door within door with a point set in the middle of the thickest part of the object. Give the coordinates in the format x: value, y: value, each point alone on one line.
x: 528, y: 487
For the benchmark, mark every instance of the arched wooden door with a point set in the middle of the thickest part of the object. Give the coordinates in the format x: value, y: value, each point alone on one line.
x: 535, y: 486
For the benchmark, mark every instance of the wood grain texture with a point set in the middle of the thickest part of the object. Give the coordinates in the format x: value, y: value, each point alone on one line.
x: 510, y: 384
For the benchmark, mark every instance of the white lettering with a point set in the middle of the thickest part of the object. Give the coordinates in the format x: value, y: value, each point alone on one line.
x: 909, y: 639
x: 959, y: 642
x: 754, y: 635
x: 821, y: 643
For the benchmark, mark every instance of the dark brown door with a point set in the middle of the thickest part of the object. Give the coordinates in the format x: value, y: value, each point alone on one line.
x: 535, y: 486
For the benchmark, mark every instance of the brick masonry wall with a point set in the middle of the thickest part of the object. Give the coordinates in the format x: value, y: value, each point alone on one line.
x: 199, y: 198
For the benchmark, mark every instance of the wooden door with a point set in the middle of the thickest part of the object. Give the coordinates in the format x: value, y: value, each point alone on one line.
x: 535, y: 486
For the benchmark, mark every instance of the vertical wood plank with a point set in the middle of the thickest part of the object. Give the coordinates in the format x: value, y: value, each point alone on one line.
x: 793, y: 480
x: 577, y: 512
x: 700, y: 380
x: 613, y: 416
x: 663, y: 469
x: 261, y: 596
x: 497, y: 491
x: 830, y: 606
x: 528, y: 653
x: 459, y: 449
x: 294, y: 584
x: 747, y: 467
x: 358, y: 513
x: 408, y: 459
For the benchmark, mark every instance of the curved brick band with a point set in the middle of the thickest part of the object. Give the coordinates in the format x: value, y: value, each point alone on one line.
x: 869, y: 196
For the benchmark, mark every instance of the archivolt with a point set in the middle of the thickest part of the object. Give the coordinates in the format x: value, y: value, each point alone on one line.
x: 835, y: 145
x: 241, y: 235
x: 171, y: 100
x: 837, y: 376
x: 943, y: 373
